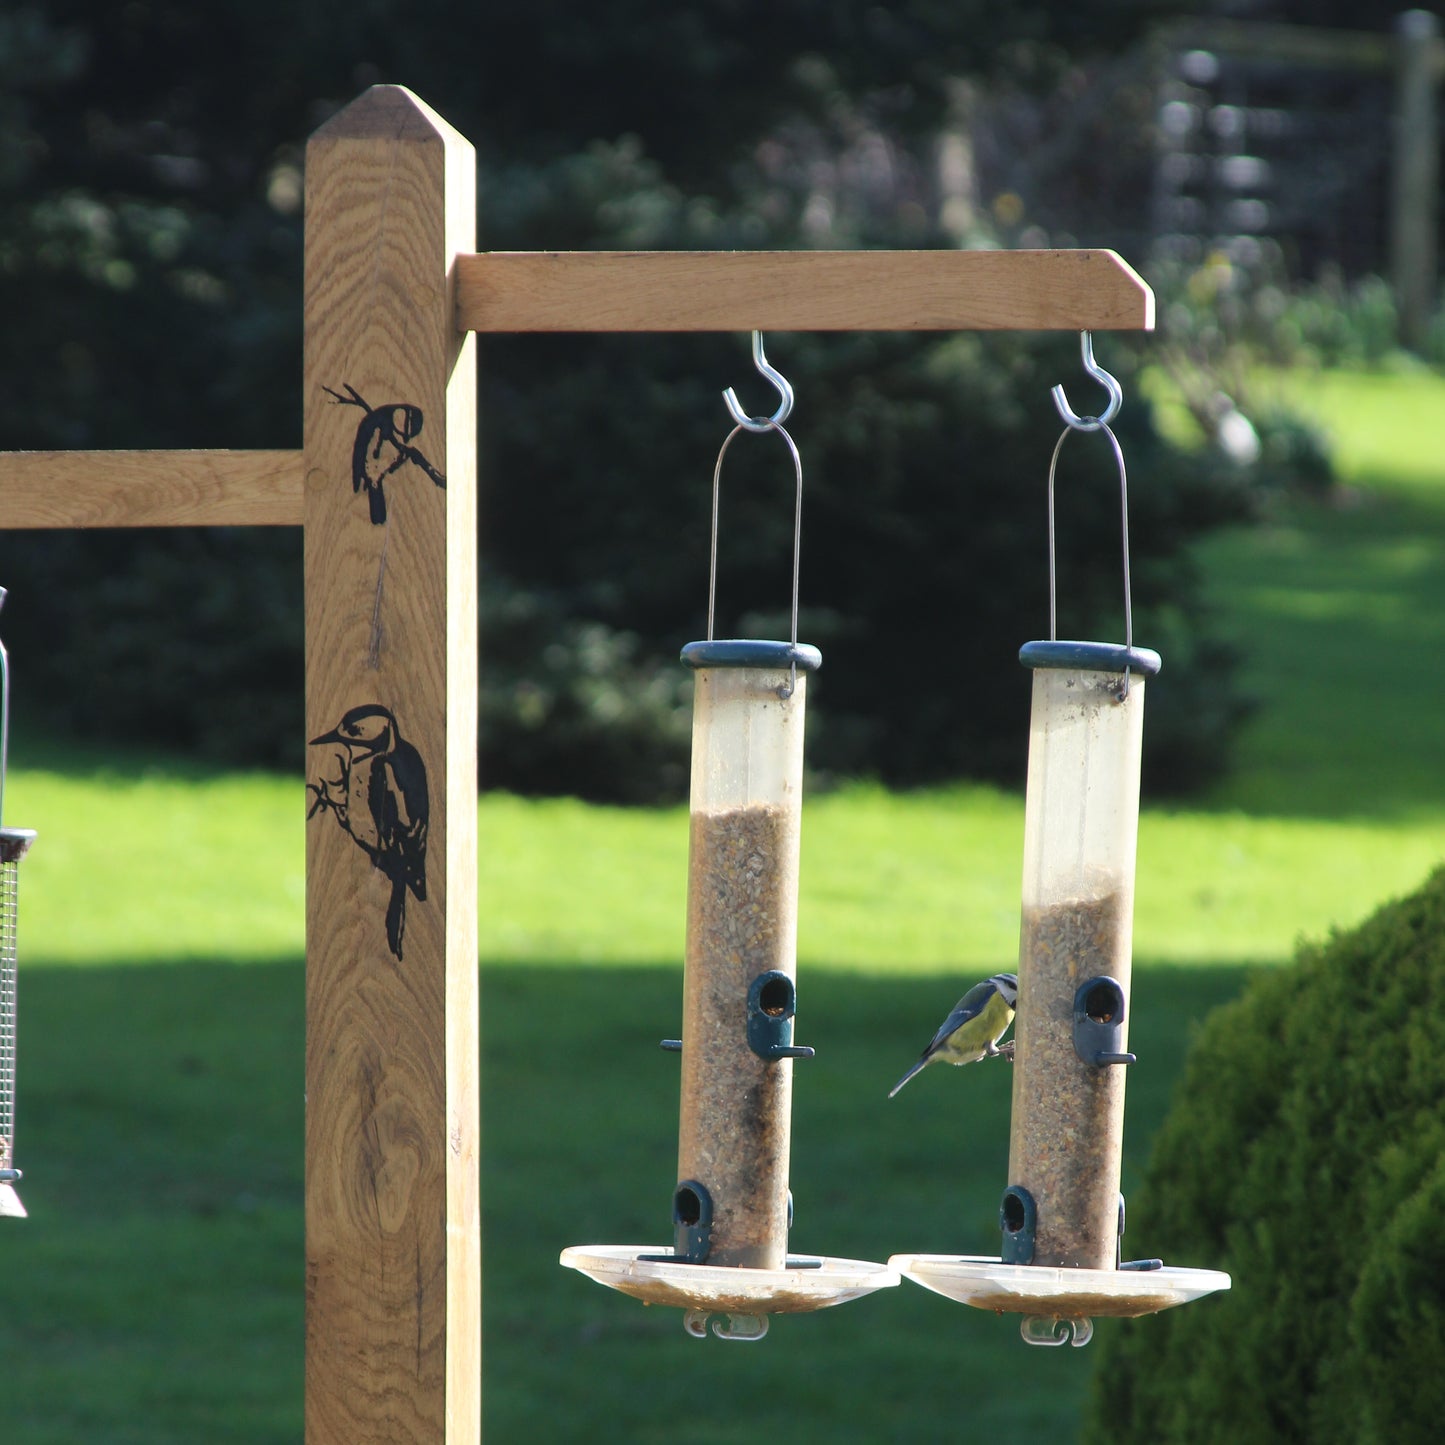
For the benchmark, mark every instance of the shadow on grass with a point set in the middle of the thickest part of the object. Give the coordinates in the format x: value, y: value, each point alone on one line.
x: 156, y: 1292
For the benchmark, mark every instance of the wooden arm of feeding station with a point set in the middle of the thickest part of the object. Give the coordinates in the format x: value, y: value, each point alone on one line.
x: 150, y: 489
x: 580, y: 291
x: 609, y: 291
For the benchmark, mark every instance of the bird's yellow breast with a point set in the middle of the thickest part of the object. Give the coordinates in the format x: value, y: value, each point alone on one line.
x: 969, y: 1040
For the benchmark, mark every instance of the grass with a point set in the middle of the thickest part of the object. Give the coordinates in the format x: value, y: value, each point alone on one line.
x: 155, y: 1294
x: 177, y: 864
x: 927, y: 883
x: 1342, y: 612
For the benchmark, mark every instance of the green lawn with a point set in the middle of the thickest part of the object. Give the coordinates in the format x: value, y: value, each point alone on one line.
x: 155, y: 1294
x: 1342, y: 612
x: 180, y: 868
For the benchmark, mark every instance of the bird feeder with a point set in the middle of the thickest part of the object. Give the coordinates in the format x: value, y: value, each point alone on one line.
x: 731, y: 1208
x: 1062, y: 1214
x: 1080, y: 826
x: 14, y: 844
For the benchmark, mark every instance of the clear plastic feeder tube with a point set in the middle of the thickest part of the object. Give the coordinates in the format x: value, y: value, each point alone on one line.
x: 1080, y: 834
x: 740, y: 972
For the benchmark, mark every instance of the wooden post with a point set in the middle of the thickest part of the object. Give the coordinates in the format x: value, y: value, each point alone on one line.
x: 1415, y: 174
x: 393, y: 1270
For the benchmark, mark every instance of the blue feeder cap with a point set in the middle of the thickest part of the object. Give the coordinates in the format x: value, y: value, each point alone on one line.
x: 1090, y: 657
x: 748, y: 652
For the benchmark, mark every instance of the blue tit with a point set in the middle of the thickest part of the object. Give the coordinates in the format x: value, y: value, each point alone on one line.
x: 972, y: 1031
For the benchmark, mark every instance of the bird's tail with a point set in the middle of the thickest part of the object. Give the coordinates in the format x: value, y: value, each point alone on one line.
x: 906, y: 1077
x: 377, y: 498
x: 396, y: 917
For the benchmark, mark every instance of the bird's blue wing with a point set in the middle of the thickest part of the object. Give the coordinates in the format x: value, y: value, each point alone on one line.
x: 968, y: 1007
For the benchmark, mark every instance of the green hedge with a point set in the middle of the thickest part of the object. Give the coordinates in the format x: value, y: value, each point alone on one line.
x: 1306, y: 1156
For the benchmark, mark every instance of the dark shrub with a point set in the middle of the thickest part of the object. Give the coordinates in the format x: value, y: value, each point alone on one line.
x: 1305, y: 1154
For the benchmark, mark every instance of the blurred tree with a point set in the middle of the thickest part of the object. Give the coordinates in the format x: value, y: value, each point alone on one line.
x: 1334, y: 14
x: 150, y: 269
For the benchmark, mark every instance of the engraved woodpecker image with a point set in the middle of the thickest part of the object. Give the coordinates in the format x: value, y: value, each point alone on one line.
x: 379, y: 798
x: 383, y: 446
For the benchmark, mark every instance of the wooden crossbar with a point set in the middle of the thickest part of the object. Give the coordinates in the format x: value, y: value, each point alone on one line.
x: 1083, y: 290
x: 150, y: 489
x: 609, y: 291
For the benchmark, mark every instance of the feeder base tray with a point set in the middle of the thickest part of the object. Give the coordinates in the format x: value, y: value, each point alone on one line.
x: 637, y: 1270
x: 1031, y: 1289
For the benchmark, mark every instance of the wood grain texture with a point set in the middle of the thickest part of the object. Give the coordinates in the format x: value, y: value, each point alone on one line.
x: 392, y: 1194
x: 150, y: 489
x: 801, y: 291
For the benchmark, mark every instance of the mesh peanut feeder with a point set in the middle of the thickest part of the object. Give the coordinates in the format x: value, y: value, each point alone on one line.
x: 14, y: 844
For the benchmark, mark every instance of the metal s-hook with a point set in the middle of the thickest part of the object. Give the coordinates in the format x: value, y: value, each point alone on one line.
x: 757, y: 424
x: 1109, y: 383
x: 785, y: 392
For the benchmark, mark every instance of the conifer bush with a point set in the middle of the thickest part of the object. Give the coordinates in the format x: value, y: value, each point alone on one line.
x: 1305, y: 1154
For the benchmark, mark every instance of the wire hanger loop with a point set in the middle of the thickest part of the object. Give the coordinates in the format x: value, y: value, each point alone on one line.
x: 785, y: 393
x: 797, y: 540
x: 1109, y: 383
x: 1102, y: 426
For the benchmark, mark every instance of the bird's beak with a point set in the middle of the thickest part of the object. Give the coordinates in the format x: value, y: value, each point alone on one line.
x: 334, y: 736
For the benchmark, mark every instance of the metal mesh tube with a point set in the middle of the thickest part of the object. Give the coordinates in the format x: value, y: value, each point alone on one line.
x: 9, y: 886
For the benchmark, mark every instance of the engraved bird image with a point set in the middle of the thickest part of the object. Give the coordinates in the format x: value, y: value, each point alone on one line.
x: 972, y: 1031
x: 379, y: 798
x: 382, y: 445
